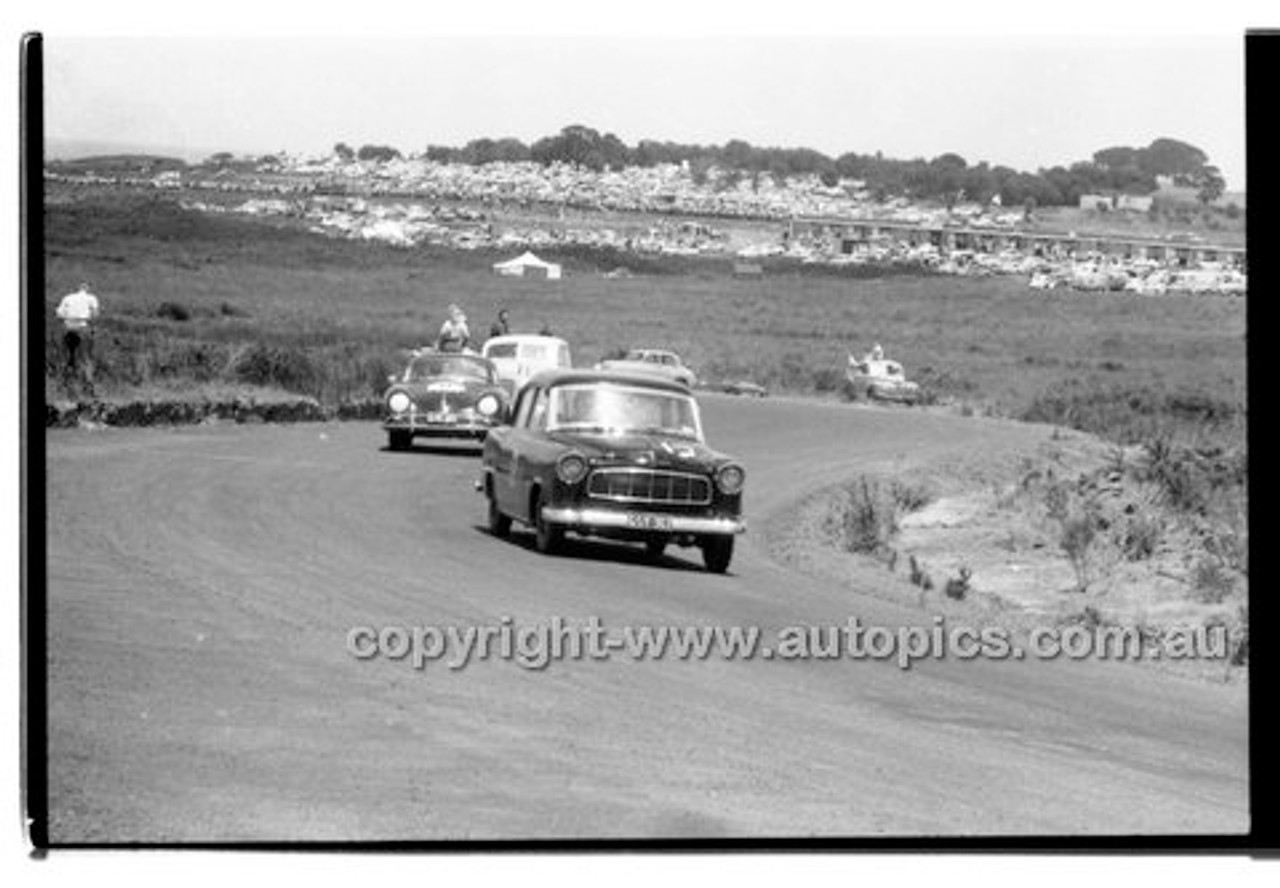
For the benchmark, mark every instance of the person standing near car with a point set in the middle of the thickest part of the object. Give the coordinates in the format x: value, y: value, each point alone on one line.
x: 500, y: 327
x: 79, y: 312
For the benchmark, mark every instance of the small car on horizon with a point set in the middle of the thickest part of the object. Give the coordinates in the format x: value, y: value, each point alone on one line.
x: 519, y: 356
x: 658, y: 361
x: 615, y: 455
x: 442, y: 395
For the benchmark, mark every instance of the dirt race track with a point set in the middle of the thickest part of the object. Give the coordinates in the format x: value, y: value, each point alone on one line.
x: 202, y: 582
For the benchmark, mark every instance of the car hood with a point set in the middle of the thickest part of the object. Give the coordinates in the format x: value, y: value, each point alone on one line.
x: 651, y: 451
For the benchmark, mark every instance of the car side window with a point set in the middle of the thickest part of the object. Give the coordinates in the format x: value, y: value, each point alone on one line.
x: 538, y: 411
x: 523, y: 404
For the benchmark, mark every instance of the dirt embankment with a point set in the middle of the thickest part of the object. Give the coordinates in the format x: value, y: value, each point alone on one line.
x: 180, y: 411
x: 1073, y: 533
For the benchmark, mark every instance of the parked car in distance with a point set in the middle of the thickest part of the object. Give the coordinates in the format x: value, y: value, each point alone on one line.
x: 657, y: 361
x: 518, y: 356
x: 445, y: 395
x: 613, y: 455
x: 880, y: 379
x: 744, y: 387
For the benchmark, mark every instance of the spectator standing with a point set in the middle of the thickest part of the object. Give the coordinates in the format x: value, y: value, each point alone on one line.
x: 500, y: 327
x: 79, y: 312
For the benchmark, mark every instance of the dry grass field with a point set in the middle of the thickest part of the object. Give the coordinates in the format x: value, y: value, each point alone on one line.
x: 211, y: 307
x: 193, y: 300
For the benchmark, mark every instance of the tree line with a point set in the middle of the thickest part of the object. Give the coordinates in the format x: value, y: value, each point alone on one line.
x: 948, y: 178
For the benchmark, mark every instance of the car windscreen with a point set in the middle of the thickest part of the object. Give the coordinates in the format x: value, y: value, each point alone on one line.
x: 608, y: 409
x: 431, y: 366
x: 500, y: 350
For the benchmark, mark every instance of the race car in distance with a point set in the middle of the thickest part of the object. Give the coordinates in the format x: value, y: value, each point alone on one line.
x: 518, y: 356
x: 659, y: 362
x: 880, y: 380
x: 443, y: 395
x: 613, y: 455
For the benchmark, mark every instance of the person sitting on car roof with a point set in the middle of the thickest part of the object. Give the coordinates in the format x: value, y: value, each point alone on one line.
x: 454, y: 335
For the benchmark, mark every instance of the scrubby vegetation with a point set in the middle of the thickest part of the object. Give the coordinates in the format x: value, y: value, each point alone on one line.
x: 863, y: 515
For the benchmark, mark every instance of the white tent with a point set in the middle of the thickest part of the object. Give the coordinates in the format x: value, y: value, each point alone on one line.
x: 518, y: 266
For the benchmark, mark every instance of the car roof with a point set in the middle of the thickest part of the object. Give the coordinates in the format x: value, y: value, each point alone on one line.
x: 518, y: 338
x: 565, y: 376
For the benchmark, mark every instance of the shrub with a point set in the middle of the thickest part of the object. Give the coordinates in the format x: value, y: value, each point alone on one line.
x: 1172, y: 469
x: 1140, y: 536
x: 286, y: 367
x: 174, y: 311
x: 1211, y: 581
x: 1078, y: 533
x: 864, y: 517
x: 827, y: 379
x: 910, y: 497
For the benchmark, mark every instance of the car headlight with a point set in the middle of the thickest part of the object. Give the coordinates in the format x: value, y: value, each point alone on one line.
x: 571, y: 468
x: 399, y: 402
x: 487, y: 405
x: 730, y: 479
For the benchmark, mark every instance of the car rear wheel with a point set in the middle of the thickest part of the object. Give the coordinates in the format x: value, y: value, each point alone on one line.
x: 717, y: 552
x: 499, y: 524
x: 546, y: 536
x: 399, y: 440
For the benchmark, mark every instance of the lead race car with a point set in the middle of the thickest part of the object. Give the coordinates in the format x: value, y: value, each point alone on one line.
x: 613, y: 455
x: 443, y: 395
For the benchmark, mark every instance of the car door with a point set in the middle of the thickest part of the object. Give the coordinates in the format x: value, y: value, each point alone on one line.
x: 500, y: 451
x: 510, y: 459
x: 529, y: 448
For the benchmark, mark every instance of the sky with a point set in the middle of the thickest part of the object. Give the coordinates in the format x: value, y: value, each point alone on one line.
x: 983, y: 82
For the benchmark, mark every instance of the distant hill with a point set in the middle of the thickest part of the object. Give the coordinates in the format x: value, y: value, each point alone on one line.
x: 74, y: 149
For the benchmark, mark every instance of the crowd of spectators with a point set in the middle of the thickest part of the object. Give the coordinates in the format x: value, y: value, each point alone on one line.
x: 411, y: 201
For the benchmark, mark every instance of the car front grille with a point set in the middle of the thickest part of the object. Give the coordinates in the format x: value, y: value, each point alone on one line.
x: 633, y: 485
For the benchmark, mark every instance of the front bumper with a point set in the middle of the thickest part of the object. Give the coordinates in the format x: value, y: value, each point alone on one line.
x: 419, y: 427
x: 663, y: 523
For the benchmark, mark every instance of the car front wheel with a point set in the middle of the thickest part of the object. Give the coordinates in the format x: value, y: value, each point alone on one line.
x: 399, y: 440
x: 499, y: 524
x: 546, y: 536
x: 717, y: 552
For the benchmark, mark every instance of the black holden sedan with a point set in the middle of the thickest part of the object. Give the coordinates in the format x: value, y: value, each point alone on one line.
x: 613, y: 455
x: 443, y: 395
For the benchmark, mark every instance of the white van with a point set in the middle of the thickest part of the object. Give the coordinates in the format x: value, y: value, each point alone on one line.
x: 518, y: 356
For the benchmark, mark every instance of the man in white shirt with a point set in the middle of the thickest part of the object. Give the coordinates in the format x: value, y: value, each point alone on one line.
x: 78, y: 311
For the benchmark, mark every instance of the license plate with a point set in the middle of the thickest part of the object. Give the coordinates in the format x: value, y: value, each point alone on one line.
x: 442, y: 418
x: 646, y: 521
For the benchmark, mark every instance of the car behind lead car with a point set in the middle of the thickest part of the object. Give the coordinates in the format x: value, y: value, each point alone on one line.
x: 613, y: 455
x: 443, y: 395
